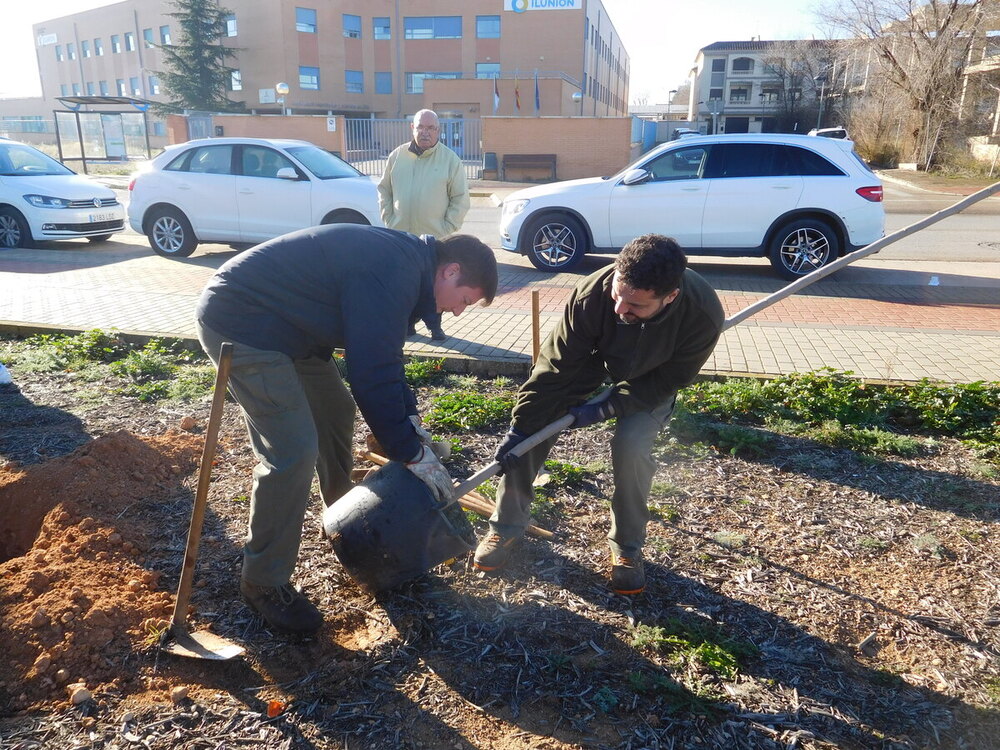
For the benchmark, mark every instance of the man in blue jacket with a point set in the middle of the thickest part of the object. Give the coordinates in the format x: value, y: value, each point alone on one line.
x: 286, y: 305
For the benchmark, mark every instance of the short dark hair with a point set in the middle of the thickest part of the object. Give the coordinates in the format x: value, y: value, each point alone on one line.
x: 479, y: 265
x: 652, y: 262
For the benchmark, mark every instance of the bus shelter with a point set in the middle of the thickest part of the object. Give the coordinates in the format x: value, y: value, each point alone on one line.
x: 107, y: 135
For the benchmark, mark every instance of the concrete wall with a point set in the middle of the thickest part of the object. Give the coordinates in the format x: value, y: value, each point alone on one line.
x: 311, y: 128
x: 584, y: 146
x: 986, y: 149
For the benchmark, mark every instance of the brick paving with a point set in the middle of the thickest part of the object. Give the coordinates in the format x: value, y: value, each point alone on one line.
x: 882, y: 332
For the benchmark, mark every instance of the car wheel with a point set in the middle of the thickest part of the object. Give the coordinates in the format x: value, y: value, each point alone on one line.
x: 802, y: 246
x: 14, y: 230
x: 555, y: 242
x: 170, y: 233
x: 344, y: 216
x: 99, y: 238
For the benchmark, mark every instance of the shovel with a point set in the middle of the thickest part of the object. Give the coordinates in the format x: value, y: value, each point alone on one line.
x: 390, y: 528
x: 177, y: 640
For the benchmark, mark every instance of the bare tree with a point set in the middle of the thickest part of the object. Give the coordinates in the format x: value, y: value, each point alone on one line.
x: 909, y: 56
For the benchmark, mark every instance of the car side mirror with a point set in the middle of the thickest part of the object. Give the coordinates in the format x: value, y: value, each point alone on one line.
x: 636, y: 177
x: 287, y: 173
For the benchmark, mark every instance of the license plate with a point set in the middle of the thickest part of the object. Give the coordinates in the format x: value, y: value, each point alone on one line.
x: 101, y: 217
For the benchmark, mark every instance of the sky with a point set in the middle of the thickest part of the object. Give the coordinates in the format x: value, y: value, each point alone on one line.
x: 662, y: 37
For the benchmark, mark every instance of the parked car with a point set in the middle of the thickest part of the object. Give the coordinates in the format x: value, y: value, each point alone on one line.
x: 683, y: 133
x: 799, y: 201
x: 241, y: 191
x: 830, y: 133
x: 40, y: 200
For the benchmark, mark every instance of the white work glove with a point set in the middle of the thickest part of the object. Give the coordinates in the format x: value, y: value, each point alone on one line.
x: 432, y: 472
x: 441, y: 448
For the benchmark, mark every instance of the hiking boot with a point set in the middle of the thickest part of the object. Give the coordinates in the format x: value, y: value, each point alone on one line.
x: 284, y: 608
x: 438, y: 334
x: 493, y: 551
x: 627, y: 574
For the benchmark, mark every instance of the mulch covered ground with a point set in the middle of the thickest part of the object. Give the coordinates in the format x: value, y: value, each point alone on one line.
x: 809, y: 598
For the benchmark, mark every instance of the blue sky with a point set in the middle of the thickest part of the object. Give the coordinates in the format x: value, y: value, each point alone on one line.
x: 662, y: 36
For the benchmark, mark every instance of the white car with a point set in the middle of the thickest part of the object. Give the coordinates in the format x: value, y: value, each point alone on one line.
x: 241, y: 191
x: 797, y: 200
x: 41, y: 200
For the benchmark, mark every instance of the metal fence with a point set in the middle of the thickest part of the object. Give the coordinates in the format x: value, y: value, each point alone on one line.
x: 370, y: 141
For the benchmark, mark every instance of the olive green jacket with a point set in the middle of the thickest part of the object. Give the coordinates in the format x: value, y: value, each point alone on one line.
x: 646, y: 362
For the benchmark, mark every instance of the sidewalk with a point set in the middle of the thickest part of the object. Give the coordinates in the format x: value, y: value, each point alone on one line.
x: 935, y: 320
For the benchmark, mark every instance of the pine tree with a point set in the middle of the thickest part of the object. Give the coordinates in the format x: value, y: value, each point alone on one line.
x: 197, y: 76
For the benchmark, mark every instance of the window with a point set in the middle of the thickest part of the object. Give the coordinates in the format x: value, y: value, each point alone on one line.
x: 76, y: 89
x: 383, y: 83
x: 678, y: 164
x: 352, y: 26
x: 732, y: 160
x: 85, y: 48
x: 258, y: 161
x: 159, y: 128
x: 164, y: 35
x: 59, y: 53
x: 120, y: 85
x: 487, y: 70
x: 98, y: 48
x: 154, y: 85
x: 743, y: 65
x: 133, y: 84
x: 487, y: 27
x: 102, y: 86
x: 147, y: 38
x: 432, y: 27
x: 719, y: 66
x: 714, y: 94
x: 415, y: 81
x: 354, y: 81
x: 809, y: 163
x: 770, y: 93
x: 380, y: 28
x: 204, y: 160
x: 129, y: 41
x: 71, y: 51
x: 90, y: 88
x: 230, y: 25
x: 116, y: 44
x: 63, y: 89
x: 235, y: 81
x: 739, y: 93
x: 305, y: 20
x: 308, y: 78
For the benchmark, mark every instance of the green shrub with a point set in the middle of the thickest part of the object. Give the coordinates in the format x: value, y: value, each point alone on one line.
x: 465, y: 410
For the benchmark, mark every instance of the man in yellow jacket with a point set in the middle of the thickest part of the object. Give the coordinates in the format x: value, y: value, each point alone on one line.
x: 423, y: 190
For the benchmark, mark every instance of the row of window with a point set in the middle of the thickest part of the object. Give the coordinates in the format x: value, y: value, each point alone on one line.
x: 117, y: 46
x: 102, y: 89
x: 414, y: 27
x: 770, y: 93
x: 354, y: 80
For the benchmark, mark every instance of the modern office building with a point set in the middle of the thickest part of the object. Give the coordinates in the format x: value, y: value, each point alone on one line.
x: 360, y: 58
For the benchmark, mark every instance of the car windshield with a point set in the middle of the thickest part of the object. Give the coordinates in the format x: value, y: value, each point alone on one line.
x: 322, y: 163
x: 17, y: 160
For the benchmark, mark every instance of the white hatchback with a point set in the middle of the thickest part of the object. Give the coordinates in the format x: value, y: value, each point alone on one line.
x: 40, y: 200
x: 799, y: 201
x: 241, y: 191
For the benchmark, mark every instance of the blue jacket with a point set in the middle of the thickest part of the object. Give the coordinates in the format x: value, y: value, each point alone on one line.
x: 338, y: 286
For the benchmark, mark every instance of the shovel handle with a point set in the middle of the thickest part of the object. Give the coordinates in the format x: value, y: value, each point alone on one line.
x: 521, y: 448
x: 179, y: 617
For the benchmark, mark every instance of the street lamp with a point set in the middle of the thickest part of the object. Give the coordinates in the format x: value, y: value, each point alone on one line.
x: 670, y: 102
x: 714, y: 109
x: 281, y: 89
x: 821, y: 80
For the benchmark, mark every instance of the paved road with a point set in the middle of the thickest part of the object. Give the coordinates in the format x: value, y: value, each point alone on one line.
x: 883, y: 318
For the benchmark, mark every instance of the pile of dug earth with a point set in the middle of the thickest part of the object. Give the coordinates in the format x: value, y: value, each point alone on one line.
x: 77, y: 603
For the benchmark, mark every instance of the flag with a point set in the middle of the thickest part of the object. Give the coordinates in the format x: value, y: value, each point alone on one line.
x: 538, y: 101
x: 517, y: 95
x: 496, y: 92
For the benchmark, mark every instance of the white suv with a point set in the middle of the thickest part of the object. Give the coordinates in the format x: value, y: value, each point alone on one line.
x: 799, y: 201
x: 41, y: 200
x: 241, y: 191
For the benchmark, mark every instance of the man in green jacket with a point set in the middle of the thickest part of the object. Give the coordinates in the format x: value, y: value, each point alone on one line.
x: 423, y: 190
x: 649, y: 324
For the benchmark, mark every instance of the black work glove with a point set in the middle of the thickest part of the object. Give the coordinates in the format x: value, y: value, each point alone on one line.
x: 504, y: 457
x: 588, y: 414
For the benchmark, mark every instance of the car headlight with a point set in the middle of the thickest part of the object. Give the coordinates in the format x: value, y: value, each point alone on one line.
x: 46, y: 201
x: 514, y: 207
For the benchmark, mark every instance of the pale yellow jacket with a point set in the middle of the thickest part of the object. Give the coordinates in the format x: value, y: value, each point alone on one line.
x: 425, y: 194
